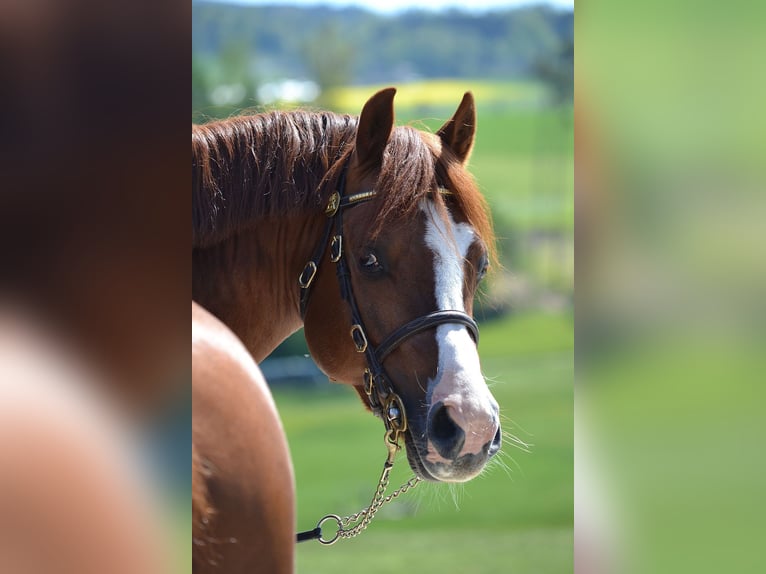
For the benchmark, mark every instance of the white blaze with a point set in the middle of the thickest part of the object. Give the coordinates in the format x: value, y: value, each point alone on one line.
x: 459, y: 383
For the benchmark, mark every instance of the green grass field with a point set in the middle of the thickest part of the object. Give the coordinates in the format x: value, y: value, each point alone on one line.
x: 517, y: 517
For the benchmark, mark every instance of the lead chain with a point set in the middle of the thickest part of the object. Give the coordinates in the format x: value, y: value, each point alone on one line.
x: 354, y: 524
x: 367, y: 514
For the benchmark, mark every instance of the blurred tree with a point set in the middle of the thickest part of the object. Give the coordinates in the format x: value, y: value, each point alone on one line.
x: 556, y: 70
x: 224, y: 83
x: 329, y: 59
x: 201, y: 86
x: 349, y: 45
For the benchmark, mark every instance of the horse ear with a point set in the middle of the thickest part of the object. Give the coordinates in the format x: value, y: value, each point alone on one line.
x: 459, y: 131
x: 375, y: 125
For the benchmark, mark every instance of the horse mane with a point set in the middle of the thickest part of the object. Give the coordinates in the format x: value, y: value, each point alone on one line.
x: 270, y: 164
x: 262, y: 165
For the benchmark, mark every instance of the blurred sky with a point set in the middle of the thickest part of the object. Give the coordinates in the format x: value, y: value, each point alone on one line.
x: 398, y: 5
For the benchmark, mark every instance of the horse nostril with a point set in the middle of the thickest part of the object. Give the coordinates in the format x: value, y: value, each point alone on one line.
x: 494, y: 447
x: 447, y: 437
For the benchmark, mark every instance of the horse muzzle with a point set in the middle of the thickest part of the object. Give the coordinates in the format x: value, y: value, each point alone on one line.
x: 454, y: 448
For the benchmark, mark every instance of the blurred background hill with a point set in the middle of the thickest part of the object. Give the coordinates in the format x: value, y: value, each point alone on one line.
x: 244, y: 47
x: 518, y: 62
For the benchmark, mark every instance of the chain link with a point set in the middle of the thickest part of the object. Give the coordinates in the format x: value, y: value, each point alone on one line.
x: 354, y: 524
x: 367, y: 514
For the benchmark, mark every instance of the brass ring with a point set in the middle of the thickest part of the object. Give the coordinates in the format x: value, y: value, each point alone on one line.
x: 334, y: 539
x: 398, y: 424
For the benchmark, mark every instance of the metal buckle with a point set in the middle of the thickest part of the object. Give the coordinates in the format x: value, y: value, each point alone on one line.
x: 395, y: 416
x: 368, y: 382
x: 336, y: 248
x: 311, y: 269
x: 359, y: 338
x: 332, y: 204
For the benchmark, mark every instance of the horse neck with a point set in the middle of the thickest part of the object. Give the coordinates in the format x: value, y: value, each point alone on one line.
x: 250, y: 247
x: 249, y: 280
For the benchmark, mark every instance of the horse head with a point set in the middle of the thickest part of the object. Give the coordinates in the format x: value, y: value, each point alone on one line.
x: 412, y: 239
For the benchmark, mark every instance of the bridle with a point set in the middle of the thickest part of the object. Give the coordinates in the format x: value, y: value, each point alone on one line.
x: 384, y: 401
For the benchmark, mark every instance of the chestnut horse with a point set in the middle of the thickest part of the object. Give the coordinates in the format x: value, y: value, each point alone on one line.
x: 388, y: 237
x: 241, y: 470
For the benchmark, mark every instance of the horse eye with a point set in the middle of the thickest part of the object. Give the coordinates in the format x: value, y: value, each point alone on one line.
x: 370, y: 263
x: 483, y: 268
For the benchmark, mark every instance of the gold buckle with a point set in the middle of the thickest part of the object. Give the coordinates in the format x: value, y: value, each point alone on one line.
x: 395, y: 415
x: 332, y: 204
x: 361, y: 346
x: 368, y: 382
x: 336, y: 248
x: 312, y: 268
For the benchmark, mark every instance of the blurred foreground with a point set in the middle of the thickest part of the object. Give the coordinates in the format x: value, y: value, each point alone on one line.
x: 93, y: 288
x: 671, y: 320
x: 75, y: 496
